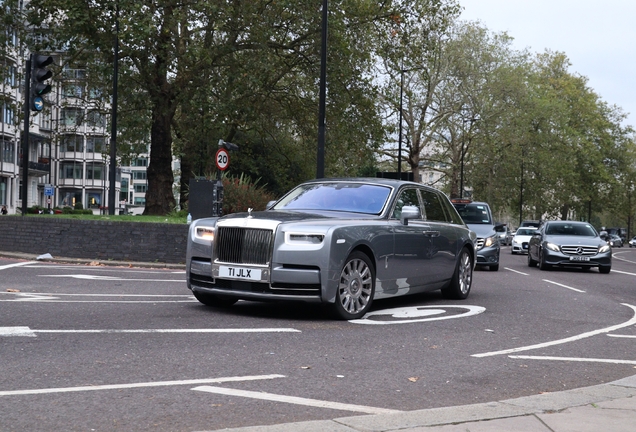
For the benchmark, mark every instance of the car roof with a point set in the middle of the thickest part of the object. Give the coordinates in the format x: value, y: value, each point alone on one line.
x: 371, y: 180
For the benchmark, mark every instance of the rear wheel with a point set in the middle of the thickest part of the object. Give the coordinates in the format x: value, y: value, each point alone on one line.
x: 462, y: 280
x: 355, y: 287
x: 215, y: 300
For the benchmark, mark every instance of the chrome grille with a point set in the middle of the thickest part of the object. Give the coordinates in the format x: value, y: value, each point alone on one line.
x: 579, y: 250
x: 244, y: 245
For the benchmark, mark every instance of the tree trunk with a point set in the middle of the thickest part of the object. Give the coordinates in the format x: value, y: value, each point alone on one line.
x: 159, y: 196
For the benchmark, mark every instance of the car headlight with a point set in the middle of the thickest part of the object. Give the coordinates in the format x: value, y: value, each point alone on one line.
x: 204, y: 233
x: 552, y: 247
x: 304, y: 238
x: 490, y: 241
x: 515, y: 241
x: 604, y: 248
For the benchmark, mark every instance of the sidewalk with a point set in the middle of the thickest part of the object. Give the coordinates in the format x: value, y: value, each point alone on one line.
x: 607, y: 407
x: 603, y: 408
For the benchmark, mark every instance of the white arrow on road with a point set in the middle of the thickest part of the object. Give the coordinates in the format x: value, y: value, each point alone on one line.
x: 28, y: 332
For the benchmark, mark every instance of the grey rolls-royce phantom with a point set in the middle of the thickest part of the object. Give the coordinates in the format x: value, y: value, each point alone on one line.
x: 344, y: 242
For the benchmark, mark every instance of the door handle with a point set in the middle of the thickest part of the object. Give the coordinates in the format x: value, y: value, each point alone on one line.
x: 431, y: 233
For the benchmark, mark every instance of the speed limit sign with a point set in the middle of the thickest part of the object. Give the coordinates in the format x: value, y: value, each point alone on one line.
x: 222, y: 159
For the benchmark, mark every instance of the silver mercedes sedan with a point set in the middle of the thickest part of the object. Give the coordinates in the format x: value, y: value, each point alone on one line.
x: 344, y: 242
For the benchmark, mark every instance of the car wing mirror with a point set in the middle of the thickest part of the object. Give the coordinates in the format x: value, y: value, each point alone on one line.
x: 270, y: 204
x: 410, y: 212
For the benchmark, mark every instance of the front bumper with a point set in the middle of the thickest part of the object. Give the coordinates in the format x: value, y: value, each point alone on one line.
x: 554, y: 258
x: 520, y: 247
x: 488, y: 255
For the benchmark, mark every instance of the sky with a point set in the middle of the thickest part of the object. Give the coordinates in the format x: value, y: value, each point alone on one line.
x: 598, y: 37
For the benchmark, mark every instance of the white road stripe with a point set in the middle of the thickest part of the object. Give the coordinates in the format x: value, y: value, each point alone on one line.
x: 296, y: 400
x: 16, y: 265
x: 99, y: 295
x: 622, y: 272
x: 622, y: 336
x: 138, y: 385
x: 110, y: 278
x: 516, y: 271
x: 575, y: 359
x: 564, y: 286
x: 566, y: 340
x: 28, y: 332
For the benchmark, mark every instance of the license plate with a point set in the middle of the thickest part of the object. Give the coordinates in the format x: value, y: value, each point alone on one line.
x: 239, y: 273
x: 579, y: 258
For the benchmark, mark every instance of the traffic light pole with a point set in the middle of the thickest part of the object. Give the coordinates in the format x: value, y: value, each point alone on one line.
x: 25, y: 137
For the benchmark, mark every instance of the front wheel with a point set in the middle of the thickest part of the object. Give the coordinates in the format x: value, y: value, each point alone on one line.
x: 604, y: 269
x: 462, y: 280
x: 214, y: 300
x: 531, y: 262
x: 355, y: 287
x: 543, y: 265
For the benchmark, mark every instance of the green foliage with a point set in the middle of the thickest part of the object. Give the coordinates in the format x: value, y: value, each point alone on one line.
x: 241, y: 193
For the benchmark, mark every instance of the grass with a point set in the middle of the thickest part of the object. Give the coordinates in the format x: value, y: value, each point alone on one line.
x: 173, y: 219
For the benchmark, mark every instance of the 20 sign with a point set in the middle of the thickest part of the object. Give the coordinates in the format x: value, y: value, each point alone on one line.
x: 222, y: 159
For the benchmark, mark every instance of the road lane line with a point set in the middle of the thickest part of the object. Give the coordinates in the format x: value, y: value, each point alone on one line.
x: 575, y: 359
x: 632, y: 321
x: 28, y: 332
x: 138, y: 385
x: 4, y: 267
x: 516, y: 271
x: 564, y: 286
x: 296, y: 400
x: 622, y: 336
x: 110, y: 278
x: 622, y: 272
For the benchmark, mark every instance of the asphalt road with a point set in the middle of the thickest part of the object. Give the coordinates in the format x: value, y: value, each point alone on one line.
x: 107, y: 348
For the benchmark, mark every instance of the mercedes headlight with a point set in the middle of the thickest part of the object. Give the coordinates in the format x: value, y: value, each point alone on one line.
x: 604, y: 248
x: 552, y: 247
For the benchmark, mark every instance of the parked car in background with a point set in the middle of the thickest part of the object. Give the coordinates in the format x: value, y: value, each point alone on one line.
x: 569, y: 244
x: 530, y: 224
x: 615, y: 241
x: 478, y: 217
x: 632, y: 242
x: 521, y: 239
x: 504, y: 234
x: 342, y: 242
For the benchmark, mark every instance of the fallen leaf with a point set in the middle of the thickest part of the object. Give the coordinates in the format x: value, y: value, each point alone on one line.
x: 94, y: 263
x: 12, y: 290
x: 414, y: 379
x: 305, y: 367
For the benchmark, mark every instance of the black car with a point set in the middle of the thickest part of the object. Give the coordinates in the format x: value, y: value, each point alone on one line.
x: 569, y: 244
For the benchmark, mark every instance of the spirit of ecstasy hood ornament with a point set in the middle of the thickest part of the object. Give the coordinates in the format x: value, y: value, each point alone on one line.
x: 249, y: 212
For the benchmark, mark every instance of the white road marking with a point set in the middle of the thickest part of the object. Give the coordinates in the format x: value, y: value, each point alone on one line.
x: 16, y: 265
x: 28, y: 332
x: 55, y: 298
x: 414, y: 314
x: 564, y: 286
x: 622, y: 336
x: 575, y: 359
x: 110, y: 278
x: 516, y: 271
x: 295, y: 400
x: 566, y: 340
x: 138, y: 385
x: 622, y: 272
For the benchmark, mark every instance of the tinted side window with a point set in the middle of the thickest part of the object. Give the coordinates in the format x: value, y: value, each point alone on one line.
x: 432, y: 206
x: 407, y: 197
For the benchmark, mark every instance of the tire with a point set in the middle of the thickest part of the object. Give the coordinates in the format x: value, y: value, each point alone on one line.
x: 542, y: 264
x: 604, y: 269
x: 531, y: 262
x: 214, y: 300
x: 462, y: 280
x: 356, y: 287
x: 494, y: 267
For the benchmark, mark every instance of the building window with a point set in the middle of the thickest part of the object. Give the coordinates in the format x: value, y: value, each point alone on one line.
x: 71, y: 117
x: 96, y: 119
x: 94, y: 198
x: 9, y: 78
x: 95, y: 144
x: 95, y: 171
x: 140, y: 162
x: 139, y: 175
x: 140, y: 188
x: 72, y: 143
x: 70, y: 197
x: 71, y: 170
x: 8, y: 114
x: 140, y: 201
x: 73, y: 90
x: 7, y: 151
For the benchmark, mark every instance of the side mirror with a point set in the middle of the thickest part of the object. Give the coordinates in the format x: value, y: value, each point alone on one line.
x: 270, y: 204
x: 410, y: 212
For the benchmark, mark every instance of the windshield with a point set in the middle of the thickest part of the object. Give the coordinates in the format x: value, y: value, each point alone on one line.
x: 348, y: 197
x: 525, y: 231
x: 570, y: 229
x: 474, y: 213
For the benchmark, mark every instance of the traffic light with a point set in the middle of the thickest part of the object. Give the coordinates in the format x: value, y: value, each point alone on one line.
x: 39, y: 74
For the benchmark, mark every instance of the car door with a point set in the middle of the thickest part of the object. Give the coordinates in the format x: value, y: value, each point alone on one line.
x: 444, y: 237
x: 412, y: 248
